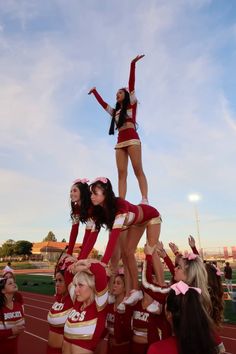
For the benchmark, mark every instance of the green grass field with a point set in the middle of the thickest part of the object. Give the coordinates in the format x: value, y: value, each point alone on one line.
x: 19, y: 265
x: 39, y: 284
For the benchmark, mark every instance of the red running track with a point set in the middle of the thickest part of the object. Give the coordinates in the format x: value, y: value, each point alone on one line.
x: 34, y: 339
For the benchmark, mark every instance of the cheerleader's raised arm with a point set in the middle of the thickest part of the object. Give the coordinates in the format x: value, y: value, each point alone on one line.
x: 100, y: 100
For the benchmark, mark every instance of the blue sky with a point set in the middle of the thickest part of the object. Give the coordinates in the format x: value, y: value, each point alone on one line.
x: 53, y: 52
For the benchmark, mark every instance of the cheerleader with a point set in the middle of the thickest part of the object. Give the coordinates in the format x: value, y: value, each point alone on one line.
x: 58, y: 314
x: 128, y: 144
x: 120, y: 215
x: 118, y: 322
x: 86, y: 321
x: 191, y: 333
x: 12, y: 321
x: 190, y: 269
x: 17, y: 295
x: 80, y: 204
x: 145, y: 331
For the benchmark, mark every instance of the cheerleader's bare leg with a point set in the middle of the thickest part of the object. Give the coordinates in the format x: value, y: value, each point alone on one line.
x: 153, y: 234
x: 135, y: 155
x: 134, y: 235
x: 123, y: 245
x: 116, y: 256
x: 158, y: 269
x: 122, y: 167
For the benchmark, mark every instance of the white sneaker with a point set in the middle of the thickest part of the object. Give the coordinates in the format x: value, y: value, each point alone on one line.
x: 144, y: 201
x: 153, y: 307
x: 111, y: 299
x: 135, y: 296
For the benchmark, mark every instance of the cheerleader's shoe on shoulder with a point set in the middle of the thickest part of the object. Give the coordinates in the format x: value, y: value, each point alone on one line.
x: 144, y: 201
x: 135, y: 296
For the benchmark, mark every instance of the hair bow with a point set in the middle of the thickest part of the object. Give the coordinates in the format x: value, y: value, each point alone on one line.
x: 81, y: 180
x: 190, y: 256
x: 218, y: 271
x: 100, y: 179
x: 182, y: 288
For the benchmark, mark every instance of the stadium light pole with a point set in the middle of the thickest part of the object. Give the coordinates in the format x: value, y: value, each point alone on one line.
x: 194, y: 198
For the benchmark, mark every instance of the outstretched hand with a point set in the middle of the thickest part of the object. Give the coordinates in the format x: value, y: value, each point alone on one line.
x: 137, y: 58
x: 173, y: 247
x: 191, y: 241
x: 91, y: 91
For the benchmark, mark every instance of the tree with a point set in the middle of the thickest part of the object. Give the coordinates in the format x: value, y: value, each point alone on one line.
x: 63, y: 240
x: 23, y: 248
x: 7, y: 248
x: 50, y: 237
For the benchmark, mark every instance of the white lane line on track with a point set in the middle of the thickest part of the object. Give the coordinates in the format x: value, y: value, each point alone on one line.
x: 36, y: 307
x: 28, y: 293
x: 34, y: 335
x: 228, y: 338
x: 233, y: 327
x: 40, y: 319
x: 30, y: 298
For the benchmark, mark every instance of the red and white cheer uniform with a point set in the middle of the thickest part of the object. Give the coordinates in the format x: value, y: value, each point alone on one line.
x: 8, y: 319
x: 84, y: 326
x: 127, y: 133
x: 126, y: 215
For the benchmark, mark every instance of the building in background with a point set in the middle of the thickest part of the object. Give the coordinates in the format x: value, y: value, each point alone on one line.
x: 50, y: 250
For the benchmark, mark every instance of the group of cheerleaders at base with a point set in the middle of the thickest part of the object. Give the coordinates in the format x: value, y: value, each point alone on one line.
x: 156, y: 318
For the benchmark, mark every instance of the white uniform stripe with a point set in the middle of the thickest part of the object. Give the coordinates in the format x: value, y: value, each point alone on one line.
x: 101, y: 299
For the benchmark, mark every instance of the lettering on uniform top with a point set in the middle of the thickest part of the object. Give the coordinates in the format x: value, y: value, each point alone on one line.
x: 77, y: 316
x: 142, y: 316
x: 58, y: 306
x: 10, y: 315
x: 110, y: 317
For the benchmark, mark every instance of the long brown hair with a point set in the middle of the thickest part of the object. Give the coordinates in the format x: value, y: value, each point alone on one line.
x: 216, y: 292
